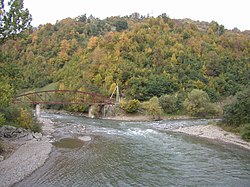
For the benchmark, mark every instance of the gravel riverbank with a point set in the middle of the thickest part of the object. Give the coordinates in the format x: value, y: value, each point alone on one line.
x: 30, y: 155
x: 205, y: 131
x: 215, y: 133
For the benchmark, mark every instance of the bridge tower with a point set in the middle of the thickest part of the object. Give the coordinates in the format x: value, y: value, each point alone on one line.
x: 118, y: 97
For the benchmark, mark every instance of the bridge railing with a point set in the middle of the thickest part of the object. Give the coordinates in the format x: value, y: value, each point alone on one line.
x: 63, y: 97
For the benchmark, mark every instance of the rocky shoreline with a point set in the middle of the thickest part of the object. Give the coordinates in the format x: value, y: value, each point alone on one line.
x: 214, y: 132
x: 28, y: 151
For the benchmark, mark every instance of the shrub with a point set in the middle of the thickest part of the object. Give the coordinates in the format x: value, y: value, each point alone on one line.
x: 198, y: 104
x: 2, y: 119
x: 11, y: 113
x: 19, y: 116
x: 213, y: 94
x: 153, y: 108
x: 6, y: 93
x: 238, y: 112
x: 245, y: 133
x: 170, y: 103
x: 36, y: 127
x: 214, y: 110
x: 130, y: 106
x: 25, y: 119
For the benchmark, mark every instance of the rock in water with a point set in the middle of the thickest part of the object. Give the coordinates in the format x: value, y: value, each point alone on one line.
x: 85, y: 138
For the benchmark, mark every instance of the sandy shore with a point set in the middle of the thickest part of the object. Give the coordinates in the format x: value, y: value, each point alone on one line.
x: 215, y: 133
x: 26, y: 159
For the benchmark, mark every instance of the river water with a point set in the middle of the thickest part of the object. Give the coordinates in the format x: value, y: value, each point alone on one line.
x: 137, y: 154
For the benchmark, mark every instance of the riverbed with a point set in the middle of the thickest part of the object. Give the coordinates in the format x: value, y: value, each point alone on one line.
x: 120, y: 153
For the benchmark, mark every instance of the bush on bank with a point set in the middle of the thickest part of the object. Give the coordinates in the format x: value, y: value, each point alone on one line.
x: 198, y: 104
x: 168, y: 103
x: 153, y: 108
x: 238, y: 112
x: 245, y: 132
x: 131, y: 106
x: 19, y: 116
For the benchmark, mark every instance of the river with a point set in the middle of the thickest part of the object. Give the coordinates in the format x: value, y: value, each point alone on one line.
x: 137, y: 154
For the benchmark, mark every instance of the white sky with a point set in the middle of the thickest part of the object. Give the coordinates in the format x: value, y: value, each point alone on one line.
x: 230, y: 13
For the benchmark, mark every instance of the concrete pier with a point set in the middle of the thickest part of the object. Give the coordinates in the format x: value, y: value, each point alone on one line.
x: 38, y: 111
x: 91, y: 111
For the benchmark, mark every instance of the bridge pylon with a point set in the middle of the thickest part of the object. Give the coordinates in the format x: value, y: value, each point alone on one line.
x: 118, y: 97
x: 38, y: 111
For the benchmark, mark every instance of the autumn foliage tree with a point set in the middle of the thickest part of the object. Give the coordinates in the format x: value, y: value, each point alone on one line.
x: 153, y: 108
x: 198, y: 104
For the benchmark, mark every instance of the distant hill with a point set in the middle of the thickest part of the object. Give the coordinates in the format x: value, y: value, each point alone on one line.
x: 146, y: 56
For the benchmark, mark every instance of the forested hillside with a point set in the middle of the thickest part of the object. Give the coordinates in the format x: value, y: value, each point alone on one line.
x: 145, y: 56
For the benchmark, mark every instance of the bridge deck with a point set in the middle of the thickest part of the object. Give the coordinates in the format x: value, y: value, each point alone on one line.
x: 64, y: 97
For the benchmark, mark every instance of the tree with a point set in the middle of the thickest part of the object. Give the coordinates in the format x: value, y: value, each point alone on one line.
x: 159, y: 85
x: 153, y: 108
x: 238, y: 112
x: 6, y: 93
x: 164, y: 16
x: 169, y: 103
x: 14, y: 19
x: 213, y: 65
x: 121, y: 25
x: 198, y: 104
x: 130, y: 106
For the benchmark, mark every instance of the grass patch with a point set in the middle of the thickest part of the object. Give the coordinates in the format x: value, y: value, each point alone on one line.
x: 52, y: 86
x: 230, y: 128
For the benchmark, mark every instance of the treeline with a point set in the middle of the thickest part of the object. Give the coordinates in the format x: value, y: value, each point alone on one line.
x: 145, y: 56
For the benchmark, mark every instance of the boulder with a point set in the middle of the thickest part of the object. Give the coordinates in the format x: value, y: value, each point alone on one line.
x: 13, y: 132
x: 7, y: 131
x: 85, y: 138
